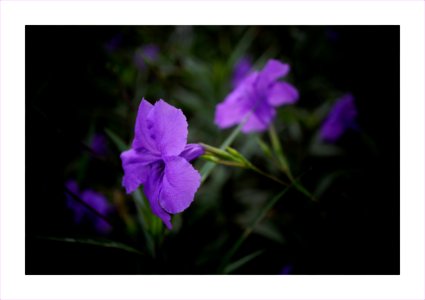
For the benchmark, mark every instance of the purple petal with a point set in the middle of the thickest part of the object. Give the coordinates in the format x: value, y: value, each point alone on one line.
x: 237, y: 104
x: 142, y: 135
x: 282, y: 93
x: 260, y: 118
x: 72, y: 185
x: 136, y: 167
x: 241, y: 71
x: 272, y: 71
x: 168, y: 128
x: 179, y: 185
x: 152, y: 189
x: 341, y: 117
x: 192, y: 151
x: 96, y: 201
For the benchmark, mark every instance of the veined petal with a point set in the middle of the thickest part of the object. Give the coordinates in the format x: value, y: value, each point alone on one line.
x: 142, y: 135
x: 192, y: 151
x: 152, y: 190
x: 179, y: 185
x: 168, y: 128
x: 282, y: 93
x: 272, y: 71
x: 136, y: 167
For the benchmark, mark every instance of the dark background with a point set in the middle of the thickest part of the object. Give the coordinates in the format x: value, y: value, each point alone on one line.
x: 74, y: 84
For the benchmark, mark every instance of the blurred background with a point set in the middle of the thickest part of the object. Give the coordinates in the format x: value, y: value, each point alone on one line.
x: 83, y: 88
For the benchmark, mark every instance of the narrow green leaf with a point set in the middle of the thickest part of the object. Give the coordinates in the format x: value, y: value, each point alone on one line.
x: 242, y: 47
x: 241, y: 262
x: 121, y: 145
x: 94, y: 242
x: 250, y: 229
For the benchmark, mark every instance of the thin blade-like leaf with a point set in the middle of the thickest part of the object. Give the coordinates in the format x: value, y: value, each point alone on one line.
x: 241, y: 262
x: 121, y: 145
x: 94, y: 242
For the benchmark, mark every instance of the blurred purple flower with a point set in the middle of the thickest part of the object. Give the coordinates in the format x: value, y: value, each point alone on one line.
x: 241, y: 70
x: 341, y: 117
x: 95, y: 200
x: 159, y: 159
x: 147, y: 52
x: 256, y: 99
x: 112, y: 45
x: 286, y: 270
x: 99, y: 144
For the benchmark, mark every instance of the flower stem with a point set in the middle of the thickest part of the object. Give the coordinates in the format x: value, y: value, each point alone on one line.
x: 255, y: 169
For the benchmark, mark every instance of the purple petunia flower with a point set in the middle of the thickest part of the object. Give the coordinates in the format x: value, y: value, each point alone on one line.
x: 341, y: 117
x: 241, y: 70
x: 94, y: 199
x: 159, y: 160
x: 146, y: 52
x: 256, y: 99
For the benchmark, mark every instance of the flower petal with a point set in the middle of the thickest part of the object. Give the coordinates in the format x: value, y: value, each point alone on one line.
x: 341, y: 117
x: 272, y: 71
x: 168, y: 128
x: 142, y: 136
x: 192, y: 151
x: 282, y: 93
x: 260, y: 119
x: 136, y: 167
x: 152, y: 190
x: 179, y: 185
x: 237, y: 104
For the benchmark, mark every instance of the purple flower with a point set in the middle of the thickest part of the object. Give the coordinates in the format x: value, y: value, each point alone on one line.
x: 148, y: 52
x: 286, y: 270
x: 341, y: 117
x: 159, y: 160
x: 99, y: 144
x: 95, y: 200
x: 241, y: 70
x: 256, y: 99
x: 112, y: 45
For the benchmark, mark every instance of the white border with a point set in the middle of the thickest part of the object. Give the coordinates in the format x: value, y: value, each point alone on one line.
x: 409, y: 285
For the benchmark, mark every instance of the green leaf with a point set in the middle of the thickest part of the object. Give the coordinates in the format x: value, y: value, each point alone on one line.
x: 241, y: 262
x: 251, y: 228
x: 243, y: 45
x: 121, y: 145
x: 94, y: 242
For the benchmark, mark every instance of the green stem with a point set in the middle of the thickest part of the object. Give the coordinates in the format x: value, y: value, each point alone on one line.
x: 209, y: 166
x: 255, y: 169
x: 277, y: 148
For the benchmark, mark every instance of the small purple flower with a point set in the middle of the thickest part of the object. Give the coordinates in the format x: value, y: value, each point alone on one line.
x: 341, y: 117
x: 99, y: 144
x: 286, y: 270
x: 95, y: 200
x: 147, y: 52
x: 241, y: 70
x: 112, y: 45
x: 256, y: 99
x: 159, y: 160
